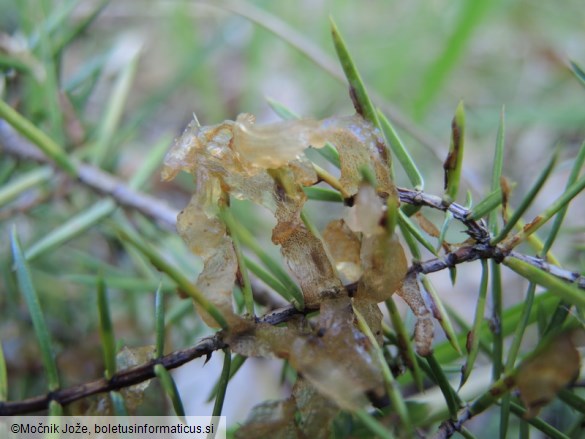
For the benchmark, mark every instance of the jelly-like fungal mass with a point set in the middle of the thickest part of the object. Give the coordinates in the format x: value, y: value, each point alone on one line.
x: 199, y: 146
x: 274, y: 145
x: 384, y: 265
x: 423, y: 329
x: 344, y: 248
x: 265, y: 164
x: 366, y: 213
x: 315, y: 412
x: 338, y: 360
x: 306, y: 414
x: 333, y: 355
x: 542, y: 375
x: 271, y: 419
x: 205, y: 234
x: 303, y: 252
x: 364, y: 252
x: 248, y: 148
x: 358, y: 142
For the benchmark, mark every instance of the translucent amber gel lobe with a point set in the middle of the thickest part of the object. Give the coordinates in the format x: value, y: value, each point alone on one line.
x: 239, y: 158
x: 266, y: 165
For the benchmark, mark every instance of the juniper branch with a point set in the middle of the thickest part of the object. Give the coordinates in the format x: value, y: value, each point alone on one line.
x: 135, y: 375
x: 122, y: 379
x: 108, y: 184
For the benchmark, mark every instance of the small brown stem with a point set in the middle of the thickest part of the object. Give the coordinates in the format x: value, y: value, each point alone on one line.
x: 120, y: 380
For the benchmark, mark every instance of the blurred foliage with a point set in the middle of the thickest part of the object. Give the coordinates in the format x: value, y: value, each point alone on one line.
x: 112, y: 82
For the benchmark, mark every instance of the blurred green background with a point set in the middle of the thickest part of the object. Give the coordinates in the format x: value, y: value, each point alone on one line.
x: 419, y: 57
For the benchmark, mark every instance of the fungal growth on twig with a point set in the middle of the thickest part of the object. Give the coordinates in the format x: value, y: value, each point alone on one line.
x: 266, y: 165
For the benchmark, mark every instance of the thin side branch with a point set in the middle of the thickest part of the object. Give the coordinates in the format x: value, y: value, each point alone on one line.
x: 450, y: 427
x: 135, y: 375
x: 475, y: 229
x: 120, y: 380
x: 17, y: 146
x: 481, y: 251
x: 568, y: 276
